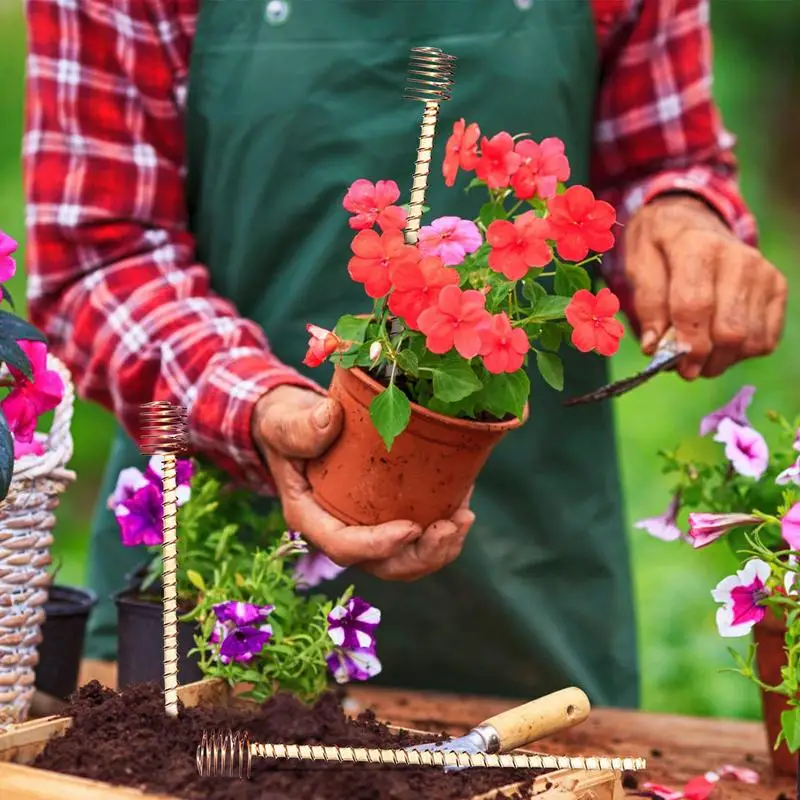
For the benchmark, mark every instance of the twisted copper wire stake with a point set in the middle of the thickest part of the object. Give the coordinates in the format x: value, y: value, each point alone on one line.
x: 164, y: 433
x: 225, y: 754
x: 430, y: 78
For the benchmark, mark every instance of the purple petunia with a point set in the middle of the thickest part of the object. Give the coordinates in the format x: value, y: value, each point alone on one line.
x: 312, y: 569
x: 140, y: 517
x: 664, y: 526
x: 240, y: 630
x: 353, y: 665
x: 351, y: 628
x: 735, y: 410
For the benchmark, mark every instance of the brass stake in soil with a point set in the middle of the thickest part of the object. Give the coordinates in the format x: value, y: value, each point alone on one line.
x: 430, y: 78
x: 164, y: 433
x: 229, y: 754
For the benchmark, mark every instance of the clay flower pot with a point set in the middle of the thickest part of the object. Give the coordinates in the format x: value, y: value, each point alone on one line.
x: 770, y: 657
x: 424, y: 477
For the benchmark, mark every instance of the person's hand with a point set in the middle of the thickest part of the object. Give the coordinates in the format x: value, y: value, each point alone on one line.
x: 688, y: 270
x: 292, y: 425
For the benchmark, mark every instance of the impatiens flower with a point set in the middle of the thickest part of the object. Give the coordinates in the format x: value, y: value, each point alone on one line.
x: 454, y: 321
x: 140, y: 517
x: 353, y: 625
x: 519, y: 245
x: 579, y: 223
x: 240, y: 630
x: 372, y: 203
x: 665, y: 526
x: 790, y: 475
x: 450, y: 238
x: 503, y: 348
x: 321, y: 344
x: 129, y: 481
x: 314, y: 568
x: 498, y: 161
x: 353, y: 665
x: 745, y: 448
x: 374, y: 255
x: 741, y: 595
x: 29, y: 399
x: 701, y: 787
x: 416, y: 287
x: 184, y: 469
x: 543, y: 166
x: 593, y: 322
x: 790, y: 527
x: 734, y: 410
x: 8, y: 266
x: 461, y: 150
x: 707, y: 528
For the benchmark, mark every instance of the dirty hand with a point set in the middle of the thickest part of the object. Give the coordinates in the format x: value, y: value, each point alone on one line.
x: 687, y: 269
x: 291, y: 425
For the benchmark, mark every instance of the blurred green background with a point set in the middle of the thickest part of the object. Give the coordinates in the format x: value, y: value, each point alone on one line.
x: 682, y: 656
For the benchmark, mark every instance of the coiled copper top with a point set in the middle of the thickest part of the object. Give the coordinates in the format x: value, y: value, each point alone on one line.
x: 164, y: 429
x: 430, y: 75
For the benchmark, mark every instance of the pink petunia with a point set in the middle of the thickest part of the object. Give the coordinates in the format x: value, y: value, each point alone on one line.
x: 745, y: 448
x: 8, y: 266
x: 664, y: 526
x: 707, y: 528
x: 790, y: 527
x: 741, y: 596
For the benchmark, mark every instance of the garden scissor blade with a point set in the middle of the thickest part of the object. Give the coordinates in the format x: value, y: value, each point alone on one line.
x: 667, y: 355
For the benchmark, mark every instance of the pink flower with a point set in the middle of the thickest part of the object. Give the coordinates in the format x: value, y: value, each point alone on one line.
x: 8, y: 266
x: 580, y: 223
x: 503, y: 348
x: 594, y: 325
x: 371, y: 203
x: 29, y: 399
x: 450, y: 238
x: 707, y: 528
x: 518, y: 246
x: 321, y: 344
x: 734, y: 410
x: 498, y: 161
x: 741, y: 595
x: 543, y: 166
x: 665, y: 526
x: 790, y: 527
x: 374, y: 255
x: 790, y: 474
x: 454, y: 321
x: 461, y: 150
x: 745, y: 448
x: 701, y: 787
x: 33, y: 447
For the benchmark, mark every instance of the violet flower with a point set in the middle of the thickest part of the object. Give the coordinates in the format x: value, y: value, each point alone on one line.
x: 741, y: 595
x: 240, y: 630
x: 313, y: 568
x: 184, y: 470
x: 745, y: 448
x: 140, y: 517
x: 449, y: 238
x: 735, y: 410
x: 353, y: 665
x: 707, y: 528
x: 665, y: 526
x: 351, y: 628
x: 790, y: 527
x: 790, y: 475
x: 129, y: 481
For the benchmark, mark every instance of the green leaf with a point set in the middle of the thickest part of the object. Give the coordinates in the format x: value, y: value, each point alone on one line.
x: 6, y: 456
x: 390, y: 412
x: 7, y: 295
x: 499, y: 293
x: 551, y: 369
x: 13, y: 355
x: 408, y: 362
x: 532, y: 291
x: 570, y: 278
x: 196, y: 579
x: 13, y: 327
x: 473, y: 184
x: 790, y: 726
x: 454, y: 379
x: 551, y: 336
x: 549, y: 307
x: 506, y: 394
x: 352, y: 329
x: 490, y: 212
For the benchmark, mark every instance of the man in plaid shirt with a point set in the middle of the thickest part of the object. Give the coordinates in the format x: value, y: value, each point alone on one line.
x: 180, y: 165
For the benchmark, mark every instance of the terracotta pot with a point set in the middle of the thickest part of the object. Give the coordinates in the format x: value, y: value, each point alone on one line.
x: 424, y: 477
x: 770, y: 657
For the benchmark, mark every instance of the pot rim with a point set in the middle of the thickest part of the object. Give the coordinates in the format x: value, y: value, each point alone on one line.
x: 464, y: 424
x: 77, y: 597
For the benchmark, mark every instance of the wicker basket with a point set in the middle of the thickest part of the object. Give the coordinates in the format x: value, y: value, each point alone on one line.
x: 26, y: 525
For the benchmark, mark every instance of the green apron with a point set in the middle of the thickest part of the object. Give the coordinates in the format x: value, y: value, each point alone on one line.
x: 289, y: 102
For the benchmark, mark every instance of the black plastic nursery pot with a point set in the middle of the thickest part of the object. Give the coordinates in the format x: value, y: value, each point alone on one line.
x: 140, y: 654
x: 67, y: 611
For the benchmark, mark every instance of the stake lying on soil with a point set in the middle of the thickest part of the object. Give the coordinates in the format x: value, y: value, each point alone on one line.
x: 164, y: 433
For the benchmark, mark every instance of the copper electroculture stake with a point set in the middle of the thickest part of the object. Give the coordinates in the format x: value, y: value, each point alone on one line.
x: 164, y: 433
x: 430, y: 78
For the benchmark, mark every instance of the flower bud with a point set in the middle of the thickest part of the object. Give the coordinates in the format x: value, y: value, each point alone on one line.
x: 375, y: 351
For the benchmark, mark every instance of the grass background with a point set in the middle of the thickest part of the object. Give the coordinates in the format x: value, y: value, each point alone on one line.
x: 682, y: 657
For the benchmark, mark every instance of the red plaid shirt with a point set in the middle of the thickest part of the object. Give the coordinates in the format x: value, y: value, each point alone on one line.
x: 112, y: 276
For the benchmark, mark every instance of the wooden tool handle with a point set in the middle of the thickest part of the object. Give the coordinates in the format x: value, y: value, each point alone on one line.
x: 540, y: 718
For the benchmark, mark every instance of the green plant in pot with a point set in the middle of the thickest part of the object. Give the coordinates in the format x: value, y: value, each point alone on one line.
x: 244, y: 591
x: 437, y: 373
x: 748, y: 493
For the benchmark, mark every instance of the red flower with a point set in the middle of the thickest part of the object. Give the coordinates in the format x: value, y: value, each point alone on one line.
x: 372, y: 203
x: 454, y: 321
x: 498, y: 161
x: 517, y: 246
x: 417, y: 285
x: 593, y: 322
x: 321, y: 344
x: 503, y: 348
x: 543, y: 166
x: 580, y: 223
x: 374, y: 254
x: 461, y: 150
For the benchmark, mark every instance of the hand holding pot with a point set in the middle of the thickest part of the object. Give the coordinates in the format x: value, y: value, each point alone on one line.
x: 292, y: 425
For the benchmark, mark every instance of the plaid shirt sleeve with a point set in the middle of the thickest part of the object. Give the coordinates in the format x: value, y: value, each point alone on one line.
x: 657, y: 127
x: 112, y: 277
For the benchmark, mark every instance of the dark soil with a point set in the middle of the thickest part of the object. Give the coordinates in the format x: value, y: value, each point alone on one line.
x: 126, y: 739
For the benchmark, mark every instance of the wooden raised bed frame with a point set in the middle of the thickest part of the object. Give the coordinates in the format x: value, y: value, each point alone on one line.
x: 19, y: 747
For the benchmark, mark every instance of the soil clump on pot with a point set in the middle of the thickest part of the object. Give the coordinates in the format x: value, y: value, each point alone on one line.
x: 127, y: 740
